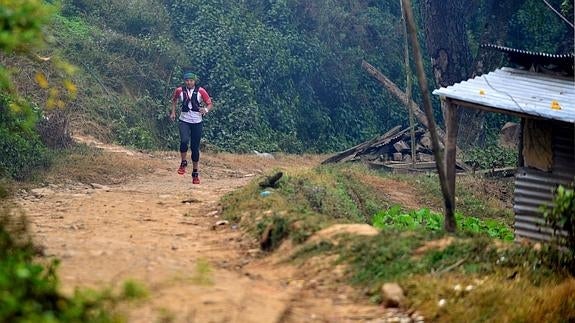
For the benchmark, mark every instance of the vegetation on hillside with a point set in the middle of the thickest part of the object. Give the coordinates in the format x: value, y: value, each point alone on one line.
x: 285, y: 75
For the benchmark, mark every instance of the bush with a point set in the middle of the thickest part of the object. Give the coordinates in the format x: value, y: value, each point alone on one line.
x: 491, y: 157
x: 561, y: 216
x: 21, y: 154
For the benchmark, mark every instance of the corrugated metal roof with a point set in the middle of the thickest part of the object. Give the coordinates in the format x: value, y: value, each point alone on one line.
x: 518, y: 91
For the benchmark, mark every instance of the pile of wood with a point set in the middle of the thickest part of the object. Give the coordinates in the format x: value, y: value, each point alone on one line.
x: 393, y: 150
x: 393, y: 146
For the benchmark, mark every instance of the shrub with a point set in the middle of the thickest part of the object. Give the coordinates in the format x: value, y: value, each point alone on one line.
x: 21, y: 154
x: 561, y: 216
x: 491, y: 157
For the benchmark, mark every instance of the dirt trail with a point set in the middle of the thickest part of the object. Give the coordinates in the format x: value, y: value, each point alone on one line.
x: 159, y: 230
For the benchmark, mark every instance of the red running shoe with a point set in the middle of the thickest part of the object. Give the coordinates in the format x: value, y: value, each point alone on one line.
x: 195, y: 178
x: 182, y: 169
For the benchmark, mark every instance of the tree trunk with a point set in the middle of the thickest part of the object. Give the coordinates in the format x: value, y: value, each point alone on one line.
x: 450, y: 54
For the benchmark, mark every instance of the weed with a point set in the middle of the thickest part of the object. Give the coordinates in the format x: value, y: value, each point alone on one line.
x: 312, y: 249
x: 561, y: 216
x: 134, y: 290
x: 166, y: 316
x: 203, y: 273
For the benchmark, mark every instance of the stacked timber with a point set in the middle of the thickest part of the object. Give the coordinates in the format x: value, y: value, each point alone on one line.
x: 394, y: 145
x: 393, y: 150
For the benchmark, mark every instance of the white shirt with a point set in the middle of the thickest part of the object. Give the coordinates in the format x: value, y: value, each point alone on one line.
x: 191, y: 116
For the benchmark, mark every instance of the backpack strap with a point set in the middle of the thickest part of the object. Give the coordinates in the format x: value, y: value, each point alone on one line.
x: 194, y: 98
x: 187, y: 99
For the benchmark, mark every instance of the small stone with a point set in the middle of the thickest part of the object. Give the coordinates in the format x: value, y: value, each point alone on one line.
x: 392, y: 295
x: 457, y: 288
x: 469, y: 288
x: 254, y: 252
x: 441, y: 302
x: 537, y: 246
x: 41, y: 192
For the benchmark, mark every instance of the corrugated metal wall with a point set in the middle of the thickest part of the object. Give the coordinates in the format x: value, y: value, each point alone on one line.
x: 534, y: 188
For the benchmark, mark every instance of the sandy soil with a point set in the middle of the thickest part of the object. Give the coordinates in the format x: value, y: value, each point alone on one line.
x: 161, y: 231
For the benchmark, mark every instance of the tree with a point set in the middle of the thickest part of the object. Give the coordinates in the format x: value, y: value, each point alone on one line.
x: 448, y: 47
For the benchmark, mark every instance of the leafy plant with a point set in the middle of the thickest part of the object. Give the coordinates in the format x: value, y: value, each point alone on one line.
x: 491, y: 157
x: 395, y: 217
x: 561, y: 215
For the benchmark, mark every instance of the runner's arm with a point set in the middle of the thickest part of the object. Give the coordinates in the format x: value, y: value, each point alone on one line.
x: 206, y: 99
x: 174, y: 101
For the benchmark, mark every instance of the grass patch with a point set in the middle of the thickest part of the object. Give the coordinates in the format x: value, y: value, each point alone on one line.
x: 134, y: 290
x: 203, y: 274
x: 492, y: 299
x: 305, y: 202
x: 412, y: 248
x: 476, y: 196
x: 498, y: 276
x: 311, y: 250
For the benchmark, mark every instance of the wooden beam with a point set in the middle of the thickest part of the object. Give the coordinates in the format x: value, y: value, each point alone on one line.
x: 423, y: 86
x: 452, y: 127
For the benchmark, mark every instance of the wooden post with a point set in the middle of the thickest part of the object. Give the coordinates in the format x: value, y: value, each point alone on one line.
x: 408, y: 85
x: 452, y: 127
x: 437, y: 151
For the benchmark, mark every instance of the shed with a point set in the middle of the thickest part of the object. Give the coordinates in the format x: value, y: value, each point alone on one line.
x: 545, y: 102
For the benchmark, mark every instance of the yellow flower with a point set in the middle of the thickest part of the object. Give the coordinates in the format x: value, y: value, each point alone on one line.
x: 70, y: 87
x: 41, y: 80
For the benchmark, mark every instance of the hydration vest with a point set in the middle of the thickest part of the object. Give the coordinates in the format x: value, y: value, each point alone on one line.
x: 193, y: 99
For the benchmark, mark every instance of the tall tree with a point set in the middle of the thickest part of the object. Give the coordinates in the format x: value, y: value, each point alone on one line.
x: 451, y: 58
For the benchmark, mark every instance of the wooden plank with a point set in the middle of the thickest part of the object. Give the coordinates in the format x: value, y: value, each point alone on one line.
x: 353, y: 151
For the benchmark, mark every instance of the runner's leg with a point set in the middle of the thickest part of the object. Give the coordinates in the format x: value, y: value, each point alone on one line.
x: 185, y: 134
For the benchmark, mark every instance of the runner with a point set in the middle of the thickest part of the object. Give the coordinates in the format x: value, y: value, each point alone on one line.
x: 195, y: 103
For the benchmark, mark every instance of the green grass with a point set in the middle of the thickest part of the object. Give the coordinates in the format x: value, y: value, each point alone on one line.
x: 305, y: 202
x: 475, y: 196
